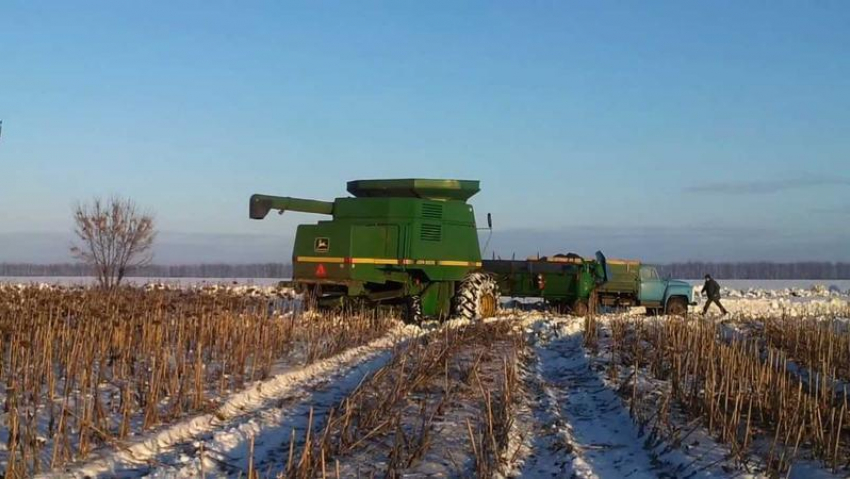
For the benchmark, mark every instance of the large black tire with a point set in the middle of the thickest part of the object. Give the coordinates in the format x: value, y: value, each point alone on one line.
x: 413, y: 310
x: 477, y: 297
x: 677, y: 306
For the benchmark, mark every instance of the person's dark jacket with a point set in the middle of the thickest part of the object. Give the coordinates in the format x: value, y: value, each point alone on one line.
x: 711, y: 288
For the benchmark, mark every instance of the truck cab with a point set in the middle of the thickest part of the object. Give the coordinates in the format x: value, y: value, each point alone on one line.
x: 663, y: 295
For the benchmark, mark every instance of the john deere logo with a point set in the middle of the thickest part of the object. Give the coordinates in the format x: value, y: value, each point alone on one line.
x: 321, y: 245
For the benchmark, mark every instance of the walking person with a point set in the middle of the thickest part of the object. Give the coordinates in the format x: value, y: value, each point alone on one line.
x: 712, y: 290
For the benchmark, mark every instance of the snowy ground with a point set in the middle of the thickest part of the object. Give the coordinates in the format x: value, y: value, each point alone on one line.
x: 87, y: 280
x: 572, y: 421
x: 780, y: 284
x: 584, y: 428
x: 742, y: 285
x: 265, y: 414
x: 570, y: 417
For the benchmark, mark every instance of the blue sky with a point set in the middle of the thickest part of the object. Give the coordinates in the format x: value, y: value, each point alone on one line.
x: 662, y: 130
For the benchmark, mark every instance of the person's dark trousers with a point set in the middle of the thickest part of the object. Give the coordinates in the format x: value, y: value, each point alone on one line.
x: 715, y: 301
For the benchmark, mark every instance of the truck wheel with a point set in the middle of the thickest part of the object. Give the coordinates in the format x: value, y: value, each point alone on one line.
x: 677, y: 307
x: 413, y: 310
x: 477, y: 297
x: 580, y: 308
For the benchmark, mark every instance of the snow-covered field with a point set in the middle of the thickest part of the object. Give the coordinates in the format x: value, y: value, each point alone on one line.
x: 87, y: 280
x: 578, y: 407
x: 842, y: 285
x: 571, y: 419
x: 781, y: 284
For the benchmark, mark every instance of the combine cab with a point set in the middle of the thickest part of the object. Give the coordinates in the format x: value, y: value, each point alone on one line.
x: 409, y: 243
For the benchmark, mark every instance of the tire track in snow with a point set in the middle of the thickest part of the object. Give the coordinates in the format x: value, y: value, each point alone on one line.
x: 604, y: 441
x: 227, y: 451
x: 243, y: 414
x: 546, y: 440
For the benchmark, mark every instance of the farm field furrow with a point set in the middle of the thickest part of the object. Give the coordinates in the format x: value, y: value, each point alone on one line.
x: 604, y: 442
x: 84, y: 370
x: 582, y: 423
x: 264, y: 414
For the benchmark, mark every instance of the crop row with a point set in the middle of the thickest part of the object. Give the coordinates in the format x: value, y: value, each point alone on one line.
x: 742, y: 389
x: 84, y: 368
x: 447, y: 397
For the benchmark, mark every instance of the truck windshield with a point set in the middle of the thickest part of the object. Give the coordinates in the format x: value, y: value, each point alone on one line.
x: 648, y: 273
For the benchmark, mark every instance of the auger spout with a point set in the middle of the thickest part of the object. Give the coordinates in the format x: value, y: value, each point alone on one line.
x: 260, y: 205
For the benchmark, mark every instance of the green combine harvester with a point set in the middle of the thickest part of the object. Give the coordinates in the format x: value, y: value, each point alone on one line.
x: 408, y: 243
x: 413, y: 244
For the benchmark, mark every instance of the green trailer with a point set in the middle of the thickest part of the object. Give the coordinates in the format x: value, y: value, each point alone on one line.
x: 566, y: 282
x: 407, y: 243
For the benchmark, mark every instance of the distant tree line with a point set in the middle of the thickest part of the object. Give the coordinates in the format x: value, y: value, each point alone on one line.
x: 757, y: 270
x: 211, y: 270
x: 690, y: 270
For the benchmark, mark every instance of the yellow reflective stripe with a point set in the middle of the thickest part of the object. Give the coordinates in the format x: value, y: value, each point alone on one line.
x: 384, y: 261
x: 374, y: 261
x: 362, y: 261
x: 388, y: 261
x: 457, y: 263
x: 319, y: 259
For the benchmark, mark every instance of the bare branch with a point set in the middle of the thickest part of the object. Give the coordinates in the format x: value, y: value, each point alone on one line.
x: 114, y: 237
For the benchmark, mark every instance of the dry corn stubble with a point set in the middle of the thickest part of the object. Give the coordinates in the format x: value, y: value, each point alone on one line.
x: 741, y: 389
x: 392, y: 412
x: 85, y: 368
x: 820, y: 344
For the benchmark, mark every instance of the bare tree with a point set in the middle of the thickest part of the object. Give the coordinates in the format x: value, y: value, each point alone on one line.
x: 114, y: 237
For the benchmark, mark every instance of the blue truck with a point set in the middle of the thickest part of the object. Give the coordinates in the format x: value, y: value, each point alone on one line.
x: 631, y: 283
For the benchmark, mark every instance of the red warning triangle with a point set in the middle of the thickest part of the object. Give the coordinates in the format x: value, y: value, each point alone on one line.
x: 320, y: 271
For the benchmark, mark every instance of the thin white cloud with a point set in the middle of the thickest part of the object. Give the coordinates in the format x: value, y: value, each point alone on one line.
x: 766, y: 186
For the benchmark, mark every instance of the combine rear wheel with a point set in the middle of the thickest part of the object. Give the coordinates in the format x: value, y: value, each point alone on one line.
x: 477, y: 297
